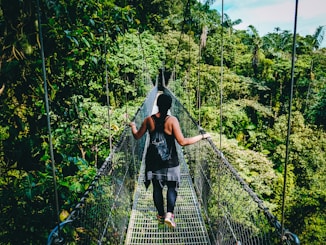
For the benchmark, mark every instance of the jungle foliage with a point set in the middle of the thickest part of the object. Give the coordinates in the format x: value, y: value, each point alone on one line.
x: 101, y: 57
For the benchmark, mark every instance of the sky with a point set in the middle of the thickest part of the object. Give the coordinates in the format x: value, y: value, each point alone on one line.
x: 266, y: 15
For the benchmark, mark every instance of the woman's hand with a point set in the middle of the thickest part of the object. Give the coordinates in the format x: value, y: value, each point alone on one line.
x: 206, y: 135
x: 131, y: 124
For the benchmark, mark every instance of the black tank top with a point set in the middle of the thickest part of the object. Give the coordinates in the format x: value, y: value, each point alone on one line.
x: 170, y: 140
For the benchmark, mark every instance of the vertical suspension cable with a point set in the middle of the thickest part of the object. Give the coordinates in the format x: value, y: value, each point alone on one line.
x: 187, y: 19
x: 174, y: 72
x: 198, y: 83
x: 221, y: 101
x: 145, y: 69
x: 107, y: 89
x: 188, y: 72
x: 203, y: 38
x: 48, y: 118
x: 126, y: 78
x: 125, y: 65
x: 289, y: 117
x: 221, y: 78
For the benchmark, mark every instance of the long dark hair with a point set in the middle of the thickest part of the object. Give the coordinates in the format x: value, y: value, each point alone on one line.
x: 164, y: 102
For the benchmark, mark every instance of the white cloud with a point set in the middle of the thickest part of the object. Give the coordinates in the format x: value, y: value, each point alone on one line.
x: 265, y: 15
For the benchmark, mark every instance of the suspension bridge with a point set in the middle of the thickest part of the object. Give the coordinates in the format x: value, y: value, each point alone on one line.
x: 214, y: 205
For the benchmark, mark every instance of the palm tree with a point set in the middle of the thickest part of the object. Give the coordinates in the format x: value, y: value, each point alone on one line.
x: 256, y: 44
x: 278, y: 42
x: 318, y: 37
x: 228, y: 23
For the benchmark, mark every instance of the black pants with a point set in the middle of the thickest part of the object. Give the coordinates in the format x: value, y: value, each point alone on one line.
x: 171, y: 195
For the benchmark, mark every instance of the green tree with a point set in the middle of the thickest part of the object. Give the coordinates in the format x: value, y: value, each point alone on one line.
x: 306, y: 197
x: 318, y: 111
x: 229, y: 24
x: 256, y: 44
x: 91, y: 45
x: 314, y: 41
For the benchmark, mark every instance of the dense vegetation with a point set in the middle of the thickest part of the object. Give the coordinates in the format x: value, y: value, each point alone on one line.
x: 131, y: 40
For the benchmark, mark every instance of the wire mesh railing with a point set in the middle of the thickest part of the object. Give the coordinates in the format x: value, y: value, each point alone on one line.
x: 232, y: 211
x: 102, y: 214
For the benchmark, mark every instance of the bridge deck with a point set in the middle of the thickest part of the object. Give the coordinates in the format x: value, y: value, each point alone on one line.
x: 143, y: 225
x: 144, y: 228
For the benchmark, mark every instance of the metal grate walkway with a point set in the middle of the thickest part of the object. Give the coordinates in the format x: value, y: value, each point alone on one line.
x: 144, y: 228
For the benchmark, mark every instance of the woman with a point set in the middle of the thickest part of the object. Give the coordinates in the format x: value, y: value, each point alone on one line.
x: 169, y: 173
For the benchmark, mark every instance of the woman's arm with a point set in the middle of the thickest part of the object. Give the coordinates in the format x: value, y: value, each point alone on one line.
x: 142, y: 130
x: 176, y: 130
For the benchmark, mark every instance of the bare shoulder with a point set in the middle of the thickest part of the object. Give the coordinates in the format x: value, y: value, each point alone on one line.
x: 172, y: 120
x: 148, y: 121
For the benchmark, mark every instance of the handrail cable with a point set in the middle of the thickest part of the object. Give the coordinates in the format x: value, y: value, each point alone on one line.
x: 46, y: 97
x: 289, y: 116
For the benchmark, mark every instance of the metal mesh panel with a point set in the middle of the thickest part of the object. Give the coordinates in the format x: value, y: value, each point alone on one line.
x: 232, y: 211
x: 102, y: 214
x: 214, y: 205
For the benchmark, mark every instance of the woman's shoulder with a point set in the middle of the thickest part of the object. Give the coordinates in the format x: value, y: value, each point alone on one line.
x: 148, y: 119
x: 171, y: 119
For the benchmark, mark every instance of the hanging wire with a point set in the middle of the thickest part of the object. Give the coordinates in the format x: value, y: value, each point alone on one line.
x: 198, y: 79
x: 203, y: 38
x: 107, y: 89
x: 221, y: 78
x: 46, y: 97
x: 185, y: 20
x: 289, y: 117
x: 145, y: 69
x: 188, y: 74
x: 174, y: 73
x: 126, y: 78
x: 220, y: 210
x: 189, y: 55
x: 198, y: 89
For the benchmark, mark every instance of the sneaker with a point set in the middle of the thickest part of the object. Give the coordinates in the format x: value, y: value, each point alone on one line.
x: 160, y: 219
x: 169, y: 220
